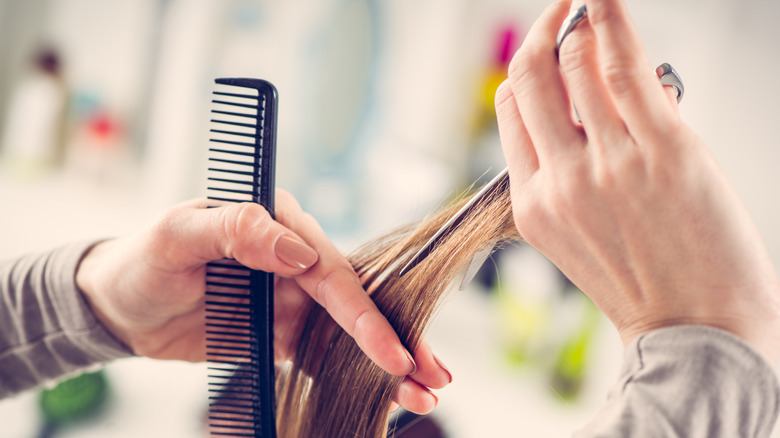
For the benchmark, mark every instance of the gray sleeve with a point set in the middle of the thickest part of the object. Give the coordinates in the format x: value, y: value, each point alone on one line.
x: 690, y: 381
x: 47, y: 329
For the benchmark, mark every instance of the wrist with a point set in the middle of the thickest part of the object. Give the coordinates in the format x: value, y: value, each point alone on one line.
x: 89, y: 283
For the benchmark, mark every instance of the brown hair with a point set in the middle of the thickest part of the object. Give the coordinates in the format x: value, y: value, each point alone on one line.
x: 336, y: 391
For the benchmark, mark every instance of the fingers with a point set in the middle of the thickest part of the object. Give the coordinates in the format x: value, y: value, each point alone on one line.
x: 245, y: 232
x: 333, y: 284
x: 415, y: 398
x: 336, y: 288
x: 538, y: 88
x: 581, y: 69
x: 625, y: 70
x: 431, y: 372
x: 517, y: 145
x: 293, y: 245
x: 414, y: 394
x: 607, y: 76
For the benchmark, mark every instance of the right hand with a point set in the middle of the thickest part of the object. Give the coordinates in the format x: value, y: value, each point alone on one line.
x: 630, y: 205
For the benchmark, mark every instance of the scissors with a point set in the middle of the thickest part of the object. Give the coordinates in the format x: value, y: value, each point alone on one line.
x: 666, y: 74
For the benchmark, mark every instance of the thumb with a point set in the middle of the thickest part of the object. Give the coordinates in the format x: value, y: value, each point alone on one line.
x: 245, y: 232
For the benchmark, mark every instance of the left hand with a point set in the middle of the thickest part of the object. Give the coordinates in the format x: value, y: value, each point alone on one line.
x: 148, y: 288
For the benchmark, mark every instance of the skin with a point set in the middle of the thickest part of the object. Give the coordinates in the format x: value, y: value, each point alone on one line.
x: 148, y: 288
x: 629, y: 204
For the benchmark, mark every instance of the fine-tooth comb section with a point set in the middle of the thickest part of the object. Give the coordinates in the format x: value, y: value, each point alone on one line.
x: 239, y: 300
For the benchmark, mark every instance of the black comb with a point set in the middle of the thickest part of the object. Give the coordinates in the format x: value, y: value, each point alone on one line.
x: 239, y: 300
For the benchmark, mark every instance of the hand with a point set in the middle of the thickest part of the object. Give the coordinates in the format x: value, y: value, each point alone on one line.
x: 629, y: 204
x: 148, y: 288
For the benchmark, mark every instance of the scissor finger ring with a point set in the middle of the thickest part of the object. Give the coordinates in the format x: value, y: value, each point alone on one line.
x: 569, y: 24
x: 665, y: 72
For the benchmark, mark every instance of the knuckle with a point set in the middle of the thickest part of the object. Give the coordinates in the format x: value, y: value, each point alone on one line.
x: 288, y: 211
x: 520, y: 68
x: 600, y: 14
x: 503, y: 95
x: 241, y: 219
x: 358, y: 323
x: 324, y: 289
x: 161, y: 238
x: 333, y: 292
x: 286, y: 199
x: 622, y: 78
x: 505, y: 105
x: 576, y: 52
x: 296, y: 220
x: 164, y: 228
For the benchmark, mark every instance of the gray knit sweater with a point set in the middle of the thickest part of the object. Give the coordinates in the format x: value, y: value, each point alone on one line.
x: 677, y: 382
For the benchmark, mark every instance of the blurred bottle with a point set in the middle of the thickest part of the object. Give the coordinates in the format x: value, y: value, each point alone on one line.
x: 98, y: 148
x: 34, y: 128
x: 546, y: 324
x: 73, y: 401
x: 578, y: 323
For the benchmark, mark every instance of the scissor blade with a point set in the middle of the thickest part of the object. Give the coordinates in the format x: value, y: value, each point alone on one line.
x: 453, y: 222
x: 476, y: 263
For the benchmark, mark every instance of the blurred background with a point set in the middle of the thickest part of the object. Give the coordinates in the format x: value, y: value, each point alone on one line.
x: 385, y: 112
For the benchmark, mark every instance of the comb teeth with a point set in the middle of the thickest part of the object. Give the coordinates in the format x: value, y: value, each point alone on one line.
x: 237, y: 135
x: 239, y: 300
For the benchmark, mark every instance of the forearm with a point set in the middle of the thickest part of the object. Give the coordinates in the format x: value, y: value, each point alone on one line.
x: 47, y: 329
x: 690, y: 381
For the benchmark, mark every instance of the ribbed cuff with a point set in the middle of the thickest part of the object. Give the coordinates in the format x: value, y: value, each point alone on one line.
x: 690, y: 381
x: 50, y: 329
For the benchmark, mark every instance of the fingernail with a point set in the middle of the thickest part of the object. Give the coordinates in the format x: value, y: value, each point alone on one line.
x: 295, y: 252
x: 435, y: 399
x: 414, y: 364
x: 444, y: 368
